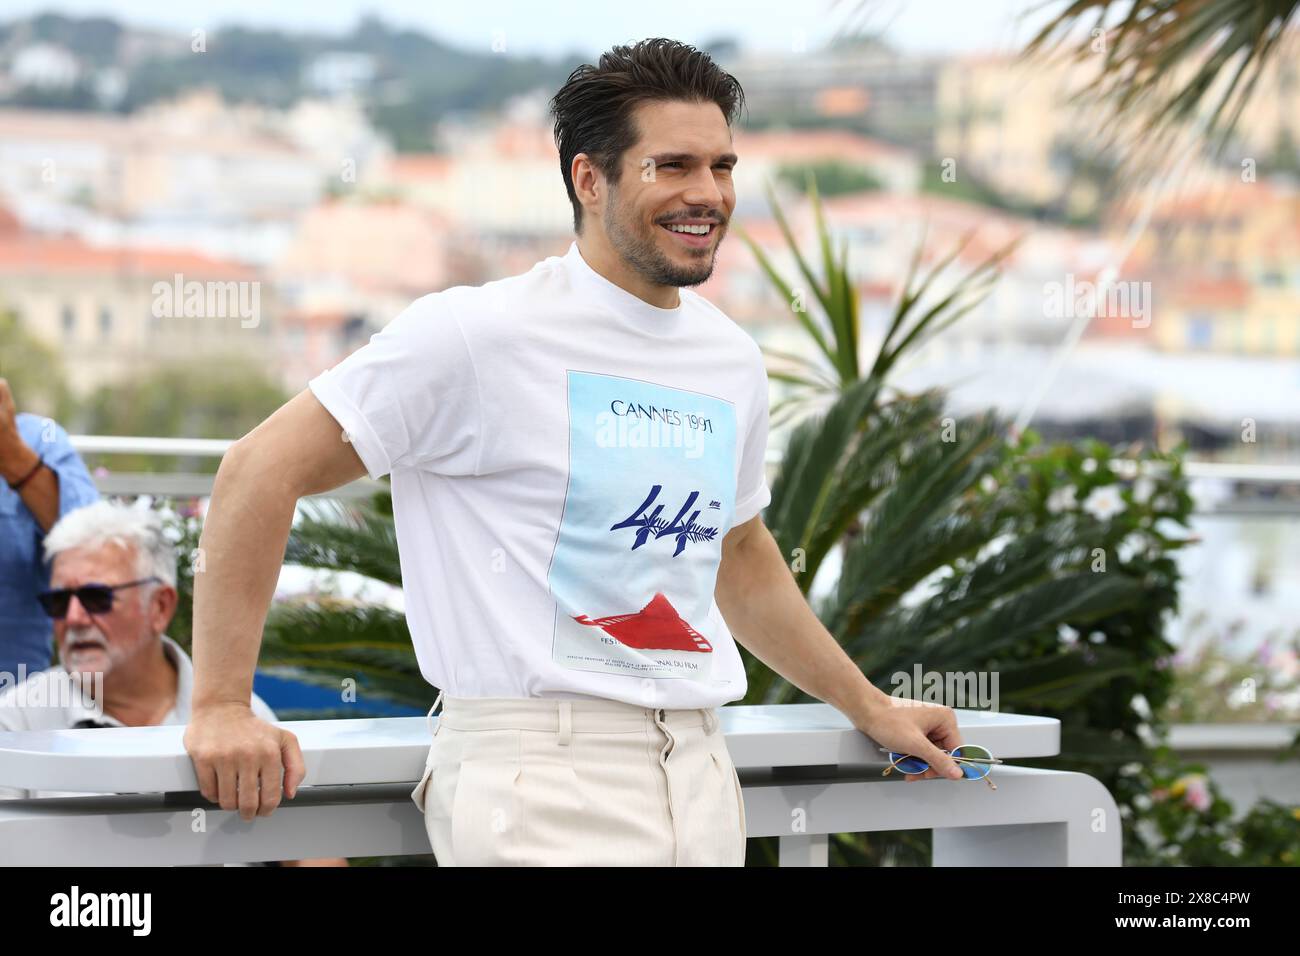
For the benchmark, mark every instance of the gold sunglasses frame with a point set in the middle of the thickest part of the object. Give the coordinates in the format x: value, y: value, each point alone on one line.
x: 893, y: 764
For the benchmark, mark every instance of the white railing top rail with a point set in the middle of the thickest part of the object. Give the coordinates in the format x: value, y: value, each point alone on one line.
x: 189, y: 484
x: 393, y: 749
x: 216, y: 447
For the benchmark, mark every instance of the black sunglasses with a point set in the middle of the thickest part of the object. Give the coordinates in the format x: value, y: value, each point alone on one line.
x: 95, y: 598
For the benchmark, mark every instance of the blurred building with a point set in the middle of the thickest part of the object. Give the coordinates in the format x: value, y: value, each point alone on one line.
x: 764, y: 153
x: 498, y: 175
x: 1223, y: 259
x: 113, y: 313
x: 1014, y: 125
x: 861, y: 83
x: 350, y: 268
x: 195, y: 172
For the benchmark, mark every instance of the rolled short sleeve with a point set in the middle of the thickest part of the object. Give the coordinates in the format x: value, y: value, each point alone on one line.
x: 752, y: 491
x: 409, y: 397
x: 48, y: 439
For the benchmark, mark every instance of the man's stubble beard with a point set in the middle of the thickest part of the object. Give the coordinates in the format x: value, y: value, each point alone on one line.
x: 113, y: 654
x: 643, y: 254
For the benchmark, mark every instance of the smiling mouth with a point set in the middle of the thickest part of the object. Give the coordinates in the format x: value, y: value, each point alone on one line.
x: 694, y: 239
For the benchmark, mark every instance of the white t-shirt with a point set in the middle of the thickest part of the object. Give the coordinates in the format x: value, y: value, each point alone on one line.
x: 566, y: 459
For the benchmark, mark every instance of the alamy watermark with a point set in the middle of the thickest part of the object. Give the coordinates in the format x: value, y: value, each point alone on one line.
x: 968, y: 690
x: 77, y: 690
x: 208, y: 300
x: 1070, y: 299
x: 629, y: 425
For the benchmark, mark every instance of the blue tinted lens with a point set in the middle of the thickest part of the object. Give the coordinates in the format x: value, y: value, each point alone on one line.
x: 974, y: 770
x: 909, y: 764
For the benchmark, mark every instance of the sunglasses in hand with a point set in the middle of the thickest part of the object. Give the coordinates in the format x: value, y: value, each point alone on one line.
x: 975, y: 762
x: 95, y: 598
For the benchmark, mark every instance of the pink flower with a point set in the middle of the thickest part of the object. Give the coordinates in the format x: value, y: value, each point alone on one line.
x: 1287, y: 663
x: 1198, y: 793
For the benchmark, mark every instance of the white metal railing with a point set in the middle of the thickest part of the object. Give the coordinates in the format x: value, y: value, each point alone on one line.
x: 178, y: 484
x: 138, y: 445
x: 187, y: 484
x: 805, y: 773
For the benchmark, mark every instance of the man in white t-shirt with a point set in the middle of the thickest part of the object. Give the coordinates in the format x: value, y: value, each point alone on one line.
x: 577, y: 471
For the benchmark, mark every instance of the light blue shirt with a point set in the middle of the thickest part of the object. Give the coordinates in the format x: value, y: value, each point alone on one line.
x: 26, y: 631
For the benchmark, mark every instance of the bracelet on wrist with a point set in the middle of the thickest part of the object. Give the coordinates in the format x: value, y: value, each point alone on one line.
x: 17, y: 485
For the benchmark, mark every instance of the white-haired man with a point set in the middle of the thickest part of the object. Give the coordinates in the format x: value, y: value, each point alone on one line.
x: 112, y: 595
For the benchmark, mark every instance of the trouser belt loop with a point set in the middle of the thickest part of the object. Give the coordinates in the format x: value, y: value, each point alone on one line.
x: 710, y: 721
x: 429, y: 718
x: 566, y: 722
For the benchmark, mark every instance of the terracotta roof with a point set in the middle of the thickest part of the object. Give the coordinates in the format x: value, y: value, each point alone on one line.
x: 27, y: 253
x: 524, y: 141
x: 1216, y: 201
x: 1206, y: 293
x: 419, y: 166
x: 10, y: 225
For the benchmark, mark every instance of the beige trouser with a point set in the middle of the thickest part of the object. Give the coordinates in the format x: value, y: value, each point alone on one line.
x: 545, y: 782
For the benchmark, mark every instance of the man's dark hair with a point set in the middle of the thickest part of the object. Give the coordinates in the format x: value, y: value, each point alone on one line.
x: 593, y: 110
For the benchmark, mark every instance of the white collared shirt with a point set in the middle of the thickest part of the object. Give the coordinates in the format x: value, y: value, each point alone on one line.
x: 51, y: 700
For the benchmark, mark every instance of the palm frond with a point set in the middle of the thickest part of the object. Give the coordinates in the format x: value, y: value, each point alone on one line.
x: 342, y: 537
x: 810, y: 464
x: 1156, y: 42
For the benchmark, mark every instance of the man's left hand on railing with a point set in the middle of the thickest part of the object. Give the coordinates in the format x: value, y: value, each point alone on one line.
x: 918, y: 728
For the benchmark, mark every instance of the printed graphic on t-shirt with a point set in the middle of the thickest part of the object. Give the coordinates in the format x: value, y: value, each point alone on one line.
x: 651, y: 494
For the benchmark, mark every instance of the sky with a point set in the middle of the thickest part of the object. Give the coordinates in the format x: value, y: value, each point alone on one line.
x: 589, y: 26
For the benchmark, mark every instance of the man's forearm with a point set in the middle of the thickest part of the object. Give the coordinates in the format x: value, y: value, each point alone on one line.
x: 241, y: 551
x: 768, y: 614
x: 40, y: 493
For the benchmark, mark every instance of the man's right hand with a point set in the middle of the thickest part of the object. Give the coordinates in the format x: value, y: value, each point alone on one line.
x: 14, y: 453
x: 233, y: 750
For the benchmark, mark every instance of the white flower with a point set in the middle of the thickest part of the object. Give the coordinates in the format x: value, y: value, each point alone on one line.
x: 1288, y: 703
x: 1061, y: 499
x: 1067, y: 634
x: 1239, y: 698
x: 988, y: 484
x: 1089, y: 465
x: 1104, y: 502
x: 1142, y: 489
x: 1131, y: 546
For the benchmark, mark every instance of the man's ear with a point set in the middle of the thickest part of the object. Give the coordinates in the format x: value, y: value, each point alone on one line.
x: 162, y: 606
